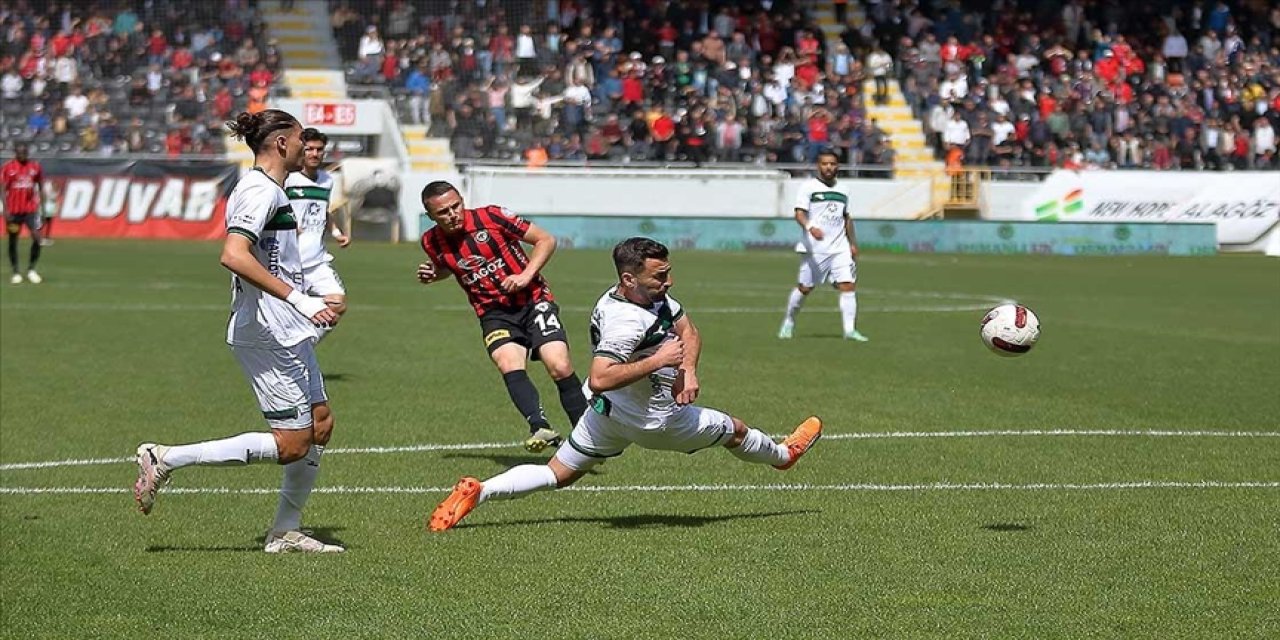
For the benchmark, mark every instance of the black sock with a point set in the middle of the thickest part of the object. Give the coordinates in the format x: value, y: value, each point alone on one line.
x: 525, y: 397
x: 35, y: 253
x: 13, y: 251
x: 46, y: 228
x: 571, y: 397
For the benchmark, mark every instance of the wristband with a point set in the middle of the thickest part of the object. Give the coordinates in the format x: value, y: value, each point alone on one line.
x: 811, y: 225
x: 295, y: 297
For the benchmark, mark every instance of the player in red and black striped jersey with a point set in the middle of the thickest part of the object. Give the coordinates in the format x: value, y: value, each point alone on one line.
x: 22, y: 191
x: 482, y: 249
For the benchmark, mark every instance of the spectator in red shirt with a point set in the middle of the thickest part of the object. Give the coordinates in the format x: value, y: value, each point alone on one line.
x: 157, y: 47
x: 22, y: 184
x: 223, y: 103
x: 632, y: 89
x: 262, y: 75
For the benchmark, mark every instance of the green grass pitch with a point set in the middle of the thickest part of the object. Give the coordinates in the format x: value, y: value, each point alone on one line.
x: 1116, y: 533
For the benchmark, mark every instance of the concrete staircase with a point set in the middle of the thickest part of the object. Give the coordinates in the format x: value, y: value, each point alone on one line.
x: 913, y: 158
x: 426, y: 153
x: 313, y: 67
x: 824, y: 13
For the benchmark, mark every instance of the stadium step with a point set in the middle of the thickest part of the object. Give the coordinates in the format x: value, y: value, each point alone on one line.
x: 913, y: 159
x: 426, y: 153
x: 305, y: 41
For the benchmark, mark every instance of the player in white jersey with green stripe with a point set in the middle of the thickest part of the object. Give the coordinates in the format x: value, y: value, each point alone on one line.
x: 828, y: 244
x: 311, y: 193
x: 643, y: 383
x: 272, y: 333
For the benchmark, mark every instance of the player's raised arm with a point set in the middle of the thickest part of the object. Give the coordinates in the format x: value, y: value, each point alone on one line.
x: 608, y: 374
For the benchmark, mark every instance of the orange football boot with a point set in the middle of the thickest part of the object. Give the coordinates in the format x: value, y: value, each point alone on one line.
x: 456, y: 507
x: 800, y: 440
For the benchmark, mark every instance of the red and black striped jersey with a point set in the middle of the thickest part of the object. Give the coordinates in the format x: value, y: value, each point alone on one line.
x: 486, y: 251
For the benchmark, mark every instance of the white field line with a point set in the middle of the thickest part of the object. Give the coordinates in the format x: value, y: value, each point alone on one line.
x: 151, y: 307
x: 473, y: 446
x: 677, y: 488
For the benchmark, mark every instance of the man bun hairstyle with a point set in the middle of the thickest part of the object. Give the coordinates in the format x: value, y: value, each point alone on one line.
x: 254, y: 128
x: 630, y: 254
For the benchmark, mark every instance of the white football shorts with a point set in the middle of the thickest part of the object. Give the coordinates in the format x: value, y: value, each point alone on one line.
x: 286, y: 382
x: 689, y: 430
x: 816, y: 268
x: 322, y: 280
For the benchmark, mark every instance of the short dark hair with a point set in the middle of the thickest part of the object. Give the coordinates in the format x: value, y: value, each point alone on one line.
x: 254, y: 128
x: 827, y: 151
x: 630, y: 254
x: 311, y: 134
x: 437, y: 188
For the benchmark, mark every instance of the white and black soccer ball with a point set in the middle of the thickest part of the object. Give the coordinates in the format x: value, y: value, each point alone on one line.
x: 1010, y: 330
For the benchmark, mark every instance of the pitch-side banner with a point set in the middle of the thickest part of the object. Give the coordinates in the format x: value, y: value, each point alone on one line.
x: 138, y: 199
x: 1243, y: 205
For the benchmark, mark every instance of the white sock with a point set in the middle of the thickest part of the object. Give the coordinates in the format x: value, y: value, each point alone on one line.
x: 849, y: 310
x: 237, y: 450
x: 518, y: 482
x: 793, y: 304
x: 760, y: 448
x: 299, y: 480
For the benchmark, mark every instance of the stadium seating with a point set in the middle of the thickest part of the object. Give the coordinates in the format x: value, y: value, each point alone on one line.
x: 155, y: 79
x: 1098, y: 84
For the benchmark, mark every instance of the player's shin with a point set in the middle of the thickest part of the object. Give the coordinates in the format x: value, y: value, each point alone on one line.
x: 518, y: 482
x: 849, y: 310
x: 236, y: 450
x: 759, y: 448
x: 299, y: 480
x: 794, y: 303
x: 571, y: 397
x: 525, y: 396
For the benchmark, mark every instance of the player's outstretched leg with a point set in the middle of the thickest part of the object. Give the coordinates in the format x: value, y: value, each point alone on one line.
x: 566, y: 468
x: 156, y: 462
x: 515, y: 482
x: 801, y: 440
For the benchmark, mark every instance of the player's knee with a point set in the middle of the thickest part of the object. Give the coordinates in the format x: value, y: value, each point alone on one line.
x: 323, y: 429
x: 559, y: 370
x: 293, y: 447
x: 804, y: 291
x: 739, y: 434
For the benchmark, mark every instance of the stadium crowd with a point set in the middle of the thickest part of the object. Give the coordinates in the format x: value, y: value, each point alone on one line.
x: 1164, y: 84
x: 130, y: 76
x: 1077, y: 83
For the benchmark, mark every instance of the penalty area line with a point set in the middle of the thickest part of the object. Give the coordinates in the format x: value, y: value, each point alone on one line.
x: 871, y: 435
x: 688, y: 488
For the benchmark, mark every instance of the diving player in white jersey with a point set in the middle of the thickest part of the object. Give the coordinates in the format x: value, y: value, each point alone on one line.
x: 643, y: 382
x: 310, y: 192
x: 828, y: 244
x: 272, y: 333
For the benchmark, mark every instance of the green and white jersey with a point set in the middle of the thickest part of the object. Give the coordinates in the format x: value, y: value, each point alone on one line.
x: 626, y: 332
x: 828, y: 207
x: 310, y: 200
x: 259, y: 211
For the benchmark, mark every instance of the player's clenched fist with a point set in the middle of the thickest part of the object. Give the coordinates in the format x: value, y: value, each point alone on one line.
x: 427, y: 273
x: 671, y: 353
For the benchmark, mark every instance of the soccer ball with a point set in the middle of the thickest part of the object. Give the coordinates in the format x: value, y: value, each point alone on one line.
x: 1010, y: 330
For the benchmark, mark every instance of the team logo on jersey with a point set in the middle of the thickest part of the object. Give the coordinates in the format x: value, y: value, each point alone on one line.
x: 297, y: 192
x: 541, y: 307
x: 482, y: 236
x: 471, y: 263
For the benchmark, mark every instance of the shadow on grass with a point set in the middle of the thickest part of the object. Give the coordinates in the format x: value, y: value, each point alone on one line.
x: 645, y: 520
x: 327, y: 535
x: 507, y: 461
x: 1006, y: 527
